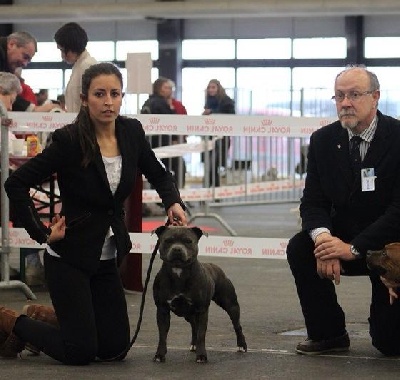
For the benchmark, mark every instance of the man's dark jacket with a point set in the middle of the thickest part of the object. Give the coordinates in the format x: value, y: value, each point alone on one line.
x: 332, y: 198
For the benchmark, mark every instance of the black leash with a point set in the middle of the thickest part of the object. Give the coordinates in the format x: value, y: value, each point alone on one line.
x: 146, y: 283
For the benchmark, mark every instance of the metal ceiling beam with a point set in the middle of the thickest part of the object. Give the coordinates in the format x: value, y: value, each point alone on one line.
x: 38, y: 13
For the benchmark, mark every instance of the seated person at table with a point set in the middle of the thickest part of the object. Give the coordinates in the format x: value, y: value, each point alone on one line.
x: 10, y: 87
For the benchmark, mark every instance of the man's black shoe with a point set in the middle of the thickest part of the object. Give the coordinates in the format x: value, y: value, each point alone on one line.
x: 312, y: 347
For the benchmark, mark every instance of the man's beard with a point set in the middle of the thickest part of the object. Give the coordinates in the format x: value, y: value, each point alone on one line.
x: 348, y: 123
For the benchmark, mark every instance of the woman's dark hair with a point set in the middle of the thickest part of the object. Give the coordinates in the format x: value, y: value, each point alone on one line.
x: 71, y: 37
x: 86, y: 133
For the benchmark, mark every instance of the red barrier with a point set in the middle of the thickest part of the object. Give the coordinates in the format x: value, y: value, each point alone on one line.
x: 131, y: 267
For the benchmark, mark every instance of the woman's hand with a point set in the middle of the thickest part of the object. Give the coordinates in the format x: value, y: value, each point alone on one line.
x: 176, y: 215
x: 58, y: 227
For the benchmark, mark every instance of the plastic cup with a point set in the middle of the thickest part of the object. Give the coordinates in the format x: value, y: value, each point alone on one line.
x: 17, y: 146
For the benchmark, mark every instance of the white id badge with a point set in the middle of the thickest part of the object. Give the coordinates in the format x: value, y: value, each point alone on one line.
x: 368, y: 179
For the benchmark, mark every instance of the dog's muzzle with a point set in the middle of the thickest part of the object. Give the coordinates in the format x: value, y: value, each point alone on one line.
x: 178, y: 254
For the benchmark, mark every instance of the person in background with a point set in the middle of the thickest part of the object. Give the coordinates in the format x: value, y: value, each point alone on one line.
x: 350, y: 205
x: 26, y: 101
x: 217, y: 101
x: 159, y: 102
x: 61, y: 101
x: 96, y: 159
x: 42, y: 97
x: 34, y: 272
x: 27, y: 92
x: 175, y: 104
x: 16, y: 51
x: 178, y: 108
x: 71, y: 40
x: 10, y: 87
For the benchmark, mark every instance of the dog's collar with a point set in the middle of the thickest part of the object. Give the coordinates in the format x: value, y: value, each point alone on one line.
x: 182, y: 265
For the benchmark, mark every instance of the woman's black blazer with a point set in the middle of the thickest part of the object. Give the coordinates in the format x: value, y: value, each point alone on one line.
x: 88, y: 204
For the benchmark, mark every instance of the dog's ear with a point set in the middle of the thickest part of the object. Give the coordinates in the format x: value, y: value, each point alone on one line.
x: 393, y: 251
x: 159, y: 231
x: 198, y: 231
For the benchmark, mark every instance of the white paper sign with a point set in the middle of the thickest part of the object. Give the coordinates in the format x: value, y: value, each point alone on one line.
x: 138, y: 66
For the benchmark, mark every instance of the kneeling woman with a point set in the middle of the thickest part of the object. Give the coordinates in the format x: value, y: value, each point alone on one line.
x: 97, y: 159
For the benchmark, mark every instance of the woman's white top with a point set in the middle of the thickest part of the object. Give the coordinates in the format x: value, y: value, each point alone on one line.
x: 113, y: 166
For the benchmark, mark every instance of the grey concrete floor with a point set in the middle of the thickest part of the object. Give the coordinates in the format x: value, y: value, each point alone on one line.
x: 271, y: 319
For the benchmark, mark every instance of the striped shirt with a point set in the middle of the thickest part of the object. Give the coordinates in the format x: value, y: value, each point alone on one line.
x: 367, y: 135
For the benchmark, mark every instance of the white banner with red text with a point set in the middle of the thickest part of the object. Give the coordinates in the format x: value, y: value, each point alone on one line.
x: 218, y: 246
x: 212, y: 125
x: 226, y: 192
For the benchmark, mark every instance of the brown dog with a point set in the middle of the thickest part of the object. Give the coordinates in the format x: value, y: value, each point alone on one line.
x: 386, y: 262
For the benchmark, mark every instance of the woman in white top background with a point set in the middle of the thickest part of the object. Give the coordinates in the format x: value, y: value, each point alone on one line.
x: 71, y: 40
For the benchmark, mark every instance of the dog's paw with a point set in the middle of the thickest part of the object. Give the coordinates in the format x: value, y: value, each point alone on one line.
x: 159, y: 358
x: 241, y: 343
x: 201, y: 359
x: 192, y: 348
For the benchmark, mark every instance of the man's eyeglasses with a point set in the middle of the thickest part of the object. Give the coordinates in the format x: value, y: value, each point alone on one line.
x: 352, y: 96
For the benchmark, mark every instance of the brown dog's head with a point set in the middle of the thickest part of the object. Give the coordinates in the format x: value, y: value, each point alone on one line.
x: 386, y: 262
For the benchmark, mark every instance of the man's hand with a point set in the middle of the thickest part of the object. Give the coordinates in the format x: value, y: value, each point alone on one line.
x: 328, y: 247
x: 329, y: 269
x: 328, y: 252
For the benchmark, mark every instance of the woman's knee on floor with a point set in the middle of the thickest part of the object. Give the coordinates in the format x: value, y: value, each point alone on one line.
x: 116, y: 357
x: 79, y: 354
x: 115, y: 350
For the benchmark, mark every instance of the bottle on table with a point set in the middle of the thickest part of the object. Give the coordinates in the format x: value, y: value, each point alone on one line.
x: 32, y: 146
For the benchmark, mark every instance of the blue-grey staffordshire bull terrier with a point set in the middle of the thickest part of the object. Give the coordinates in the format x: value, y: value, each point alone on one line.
x: 186, y: 287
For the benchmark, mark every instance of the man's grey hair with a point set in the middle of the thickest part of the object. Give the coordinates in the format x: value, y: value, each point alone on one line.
x: 373, y: 79
x: 9, y: 83
x: 22, y: 39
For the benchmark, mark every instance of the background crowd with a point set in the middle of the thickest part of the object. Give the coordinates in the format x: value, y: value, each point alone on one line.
x: 16, y: 52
